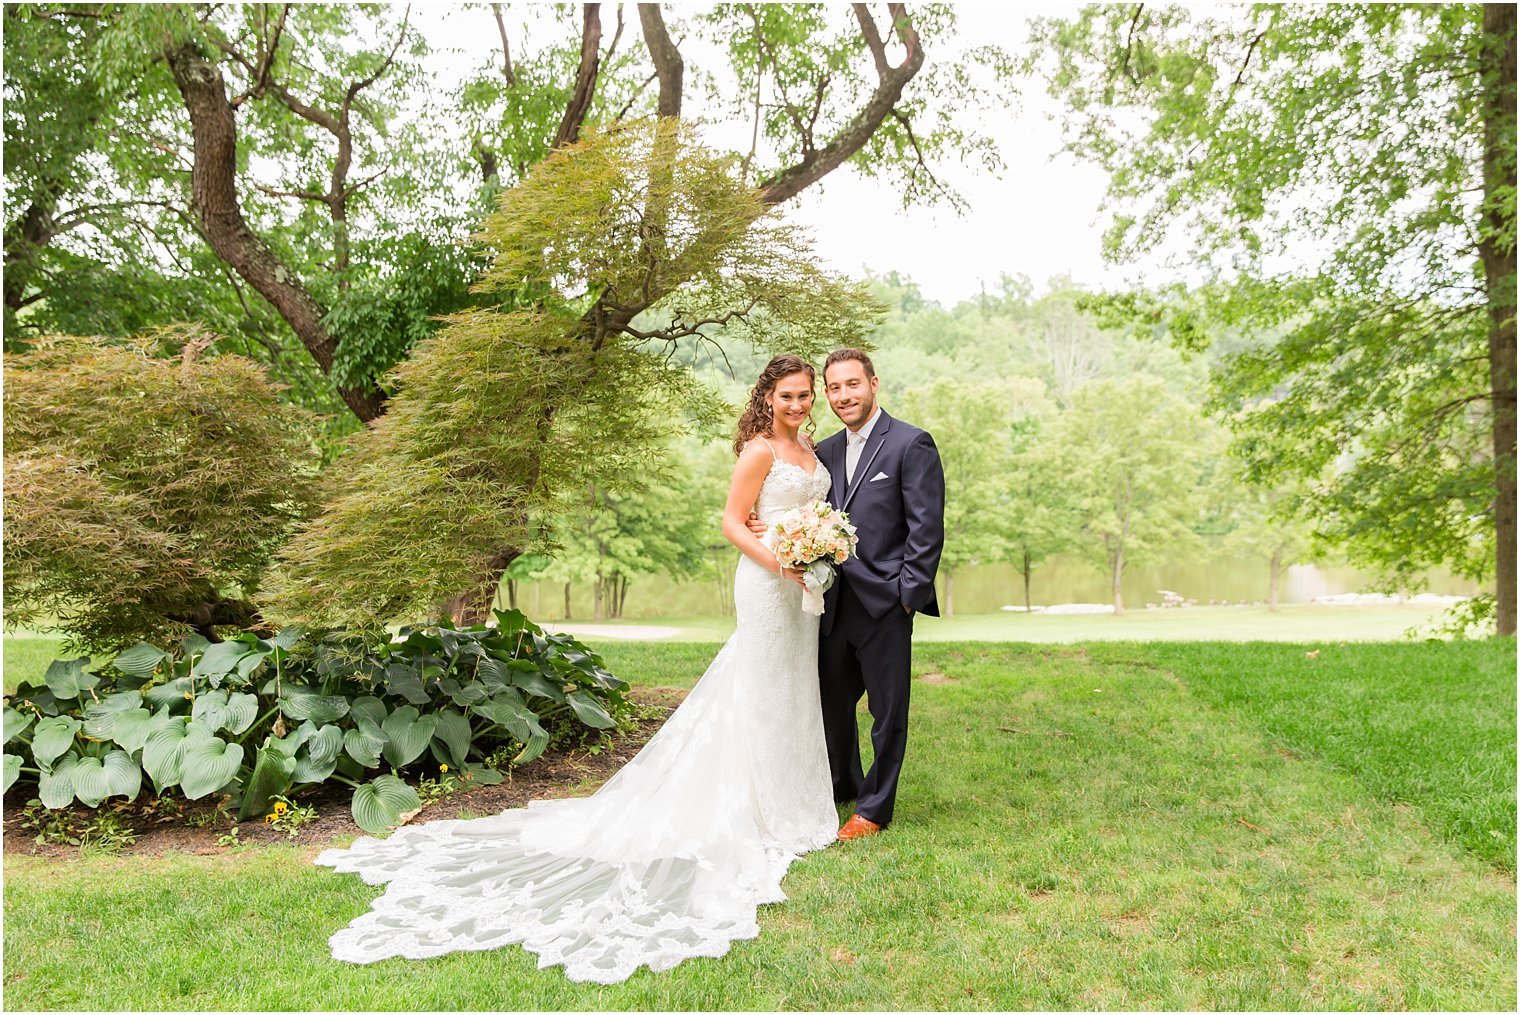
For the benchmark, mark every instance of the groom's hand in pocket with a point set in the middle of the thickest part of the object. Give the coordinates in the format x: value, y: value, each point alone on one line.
x: 755, y: 524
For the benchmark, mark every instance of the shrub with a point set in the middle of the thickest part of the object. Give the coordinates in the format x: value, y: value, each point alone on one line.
x: 144, y: 496
x: 257, y: 718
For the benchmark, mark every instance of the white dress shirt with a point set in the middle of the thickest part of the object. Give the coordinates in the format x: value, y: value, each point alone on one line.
x: 855, y: 440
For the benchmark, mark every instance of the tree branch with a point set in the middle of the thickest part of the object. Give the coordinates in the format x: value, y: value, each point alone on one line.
x: 305, y: 195
x: 814, y: 165
x: 1129, y: 46
x: 668, y: 65
x: 585, y: 79
x: 214, y: 201
x: 506, y: 50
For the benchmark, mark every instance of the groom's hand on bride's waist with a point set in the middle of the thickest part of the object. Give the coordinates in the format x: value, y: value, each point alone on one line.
x: 755, y: 524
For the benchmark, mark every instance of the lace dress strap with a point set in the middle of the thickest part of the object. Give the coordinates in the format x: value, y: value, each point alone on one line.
x: 774, y: 456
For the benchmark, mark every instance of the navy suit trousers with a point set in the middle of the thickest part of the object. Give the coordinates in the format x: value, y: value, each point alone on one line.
x: 860, y: 655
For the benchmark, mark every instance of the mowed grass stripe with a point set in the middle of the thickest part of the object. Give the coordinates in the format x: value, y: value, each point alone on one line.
x: 1429, y: 724
x: 1109, y: 868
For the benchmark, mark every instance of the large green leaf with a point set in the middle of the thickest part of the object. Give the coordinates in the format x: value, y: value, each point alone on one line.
x: 220, y: 710
x: 316, y: 762
x: 209, y: 763
x: 271, y: 777
x: 114, y: 775
x: 480, y: 775
x: 363, y: 746
x: 164, y: 749
x: 220, y: 659
x: 12, y: 771
x: 66, y: 678
x: 537, y: 684
x: 140, y: 660
x: 16, y: 723
x: 173, y: 694
x: 406, y: 682
x: 288, y: 637
x: 304, y: 703
x: 406, y: 735
x: 454, y: 732
x: 589, y: 711
x: 510, y: 622
x: 509, y: 710
x: 53, y: 736
x: 55, y: 786
x: 250, y: 662
x: 468, y: 694
x: 367, y: 710
x: 493, y: 673
x: 100, y: 718
x: 378, y: 804
x: 131, y: 729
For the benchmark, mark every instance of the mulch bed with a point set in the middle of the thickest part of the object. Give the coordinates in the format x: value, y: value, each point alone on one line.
x: 552, y: 775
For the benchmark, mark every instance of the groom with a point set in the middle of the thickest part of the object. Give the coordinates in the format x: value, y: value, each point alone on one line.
x: 887, y: 477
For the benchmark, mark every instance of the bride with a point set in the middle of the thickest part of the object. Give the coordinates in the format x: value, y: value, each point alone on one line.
x: 671, y: 857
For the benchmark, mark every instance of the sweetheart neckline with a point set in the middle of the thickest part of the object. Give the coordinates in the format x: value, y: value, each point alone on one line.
x: 782, y: 461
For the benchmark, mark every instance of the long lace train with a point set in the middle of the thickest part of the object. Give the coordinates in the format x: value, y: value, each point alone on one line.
x: 671, y: 857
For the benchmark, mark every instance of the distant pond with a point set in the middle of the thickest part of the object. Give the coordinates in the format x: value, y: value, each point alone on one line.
x: 986, y: 588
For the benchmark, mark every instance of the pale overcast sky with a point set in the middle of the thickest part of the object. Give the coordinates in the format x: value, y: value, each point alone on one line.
x: 1040, y: 219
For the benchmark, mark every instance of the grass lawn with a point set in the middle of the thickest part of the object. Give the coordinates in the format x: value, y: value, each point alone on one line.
x: 1098, y: 826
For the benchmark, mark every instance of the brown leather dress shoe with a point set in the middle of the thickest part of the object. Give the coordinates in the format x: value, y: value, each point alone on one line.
x: 857, y: 828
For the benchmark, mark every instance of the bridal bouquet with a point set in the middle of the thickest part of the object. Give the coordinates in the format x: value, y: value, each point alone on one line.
x: 814, y: 537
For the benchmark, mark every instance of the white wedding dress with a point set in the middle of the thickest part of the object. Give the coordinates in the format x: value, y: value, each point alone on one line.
x: 671, y: 857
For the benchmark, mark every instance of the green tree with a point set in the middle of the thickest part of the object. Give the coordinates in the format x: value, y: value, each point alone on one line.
x: 144, y: 495
x: 1038, y: 510
x: 618, y: 537
x: 270, y: 203
x: 268, y: 135
x: 975, y: 425
x: 1265, y: 525
x: 1132, y: 452
x: 1347, y: 172
x: 506, y: 417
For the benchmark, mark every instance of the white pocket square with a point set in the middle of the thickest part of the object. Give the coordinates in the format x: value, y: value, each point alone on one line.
x: 879, y: 475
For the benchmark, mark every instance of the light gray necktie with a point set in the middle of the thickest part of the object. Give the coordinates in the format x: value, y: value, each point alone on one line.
x: 854, y: 442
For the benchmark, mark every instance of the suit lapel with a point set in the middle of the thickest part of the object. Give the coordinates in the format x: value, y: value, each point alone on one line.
x: 833, y: 458
x: 867, y: 456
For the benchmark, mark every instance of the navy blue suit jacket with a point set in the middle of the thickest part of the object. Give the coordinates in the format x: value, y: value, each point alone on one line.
x: 897, y: 505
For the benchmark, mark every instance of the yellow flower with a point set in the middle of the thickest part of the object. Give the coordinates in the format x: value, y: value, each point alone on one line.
x: 279, y: 807
x: 443, y: 768
x: 270, y: 818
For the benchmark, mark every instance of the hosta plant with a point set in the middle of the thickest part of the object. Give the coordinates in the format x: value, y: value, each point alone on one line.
x: 256, y: 718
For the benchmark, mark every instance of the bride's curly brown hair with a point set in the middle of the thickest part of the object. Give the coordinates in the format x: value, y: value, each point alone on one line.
x: 756, y: 420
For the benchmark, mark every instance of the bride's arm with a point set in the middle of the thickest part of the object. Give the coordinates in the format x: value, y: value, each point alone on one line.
x: 749, y: 475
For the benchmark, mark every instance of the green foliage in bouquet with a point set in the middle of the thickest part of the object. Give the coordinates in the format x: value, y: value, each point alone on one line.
x: 605, y: 257
x: 144, y: 495
x: 257, y: 718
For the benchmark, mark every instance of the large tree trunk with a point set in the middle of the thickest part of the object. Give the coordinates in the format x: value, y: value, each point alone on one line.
x: 512, y: 593
x: 567, y: 602
x: 474, y: 606
x: 598, y: 596
x: 949, y: 594
x: 214, y: 200
x: 1498, y: 84
x: 1027, y: 569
